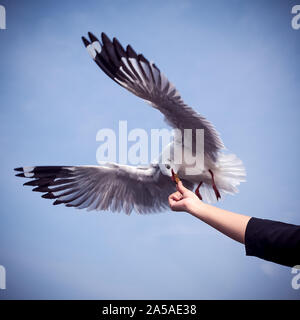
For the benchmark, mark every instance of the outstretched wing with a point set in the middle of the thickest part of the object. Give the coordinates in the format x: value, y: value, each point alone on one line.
x: 109, y: 187
x: 141, y: 77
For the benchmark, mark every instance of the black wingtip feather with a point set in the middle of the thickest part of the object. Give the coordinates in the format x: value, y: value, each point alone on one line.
x: 85, y: 41
x: 48, y: 196
x: 105, y: 38
x: 142, y: 58
x: 20, y: 175
x: 18, y: 169
x: 120, y: 50
x: 31, y: 183
x: 41, y: 189
x: 131, y: 53
x: 92, y: 37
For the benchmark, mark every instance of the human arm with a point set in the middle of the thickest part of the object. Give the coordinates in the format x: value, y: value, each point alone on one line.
x: 229, y: 223
x: 266, y: 239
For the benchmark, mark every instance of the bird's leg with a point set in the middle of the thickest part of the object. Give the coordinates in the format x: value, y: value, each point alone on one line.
x: 175, y: 177
x: 197, y: 191
x: 217, y: 193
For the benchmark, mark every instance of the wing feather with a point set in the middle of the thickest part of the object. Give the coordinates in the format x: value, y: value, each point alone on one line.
x: 144, y: 79
x: 109, y: 187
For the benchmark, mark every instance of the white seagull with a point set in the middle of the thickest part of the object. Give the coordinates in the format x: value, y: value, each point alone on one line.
x: 117, y: 187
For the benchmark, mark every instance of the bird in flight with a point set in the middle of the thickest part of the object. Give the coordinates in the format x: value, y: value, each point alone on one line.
x: 118, y: 187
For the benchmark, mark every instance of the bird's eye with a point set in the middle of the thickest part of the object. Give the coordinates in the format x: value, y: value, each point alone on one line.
x: 168, y: 166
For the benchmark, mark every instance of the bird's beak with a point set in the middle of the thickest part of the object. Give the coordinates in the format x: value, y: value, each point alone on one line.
x: 175, y: 177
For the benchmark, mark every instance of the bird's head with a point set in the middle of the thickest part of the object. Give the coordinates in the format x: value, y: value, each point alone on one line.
x: 167, y: 166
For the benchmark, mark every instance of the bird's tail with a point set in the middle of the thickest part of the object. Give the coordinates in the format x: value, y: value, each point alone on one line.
x: 228, y: 174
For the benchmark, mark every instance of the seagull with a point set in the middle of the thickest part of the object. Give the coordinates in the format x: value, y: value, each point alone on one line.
x: 144, y: 189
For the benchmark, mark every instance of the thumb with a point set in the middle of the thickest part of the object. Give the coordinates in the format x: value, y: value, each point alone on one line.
x: 181, y: 188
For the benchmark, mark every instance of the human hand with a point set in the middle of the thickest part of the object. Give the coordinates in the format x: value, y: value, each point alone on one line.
x: 184, y: 200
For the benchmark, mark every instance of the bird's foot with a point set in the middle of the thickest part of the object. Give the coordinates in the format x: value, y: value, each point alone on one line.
x: 175, y: 177
x: 197, y: 191
x: 217, y: 193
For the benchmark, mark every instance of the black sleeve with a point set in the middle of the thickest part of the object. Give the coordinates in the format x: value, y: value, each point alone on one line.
x: 273, y: 241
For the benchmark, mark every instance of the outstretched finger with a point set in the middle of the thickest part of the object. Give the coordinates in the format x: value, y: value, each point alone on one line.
x: 181, y: 188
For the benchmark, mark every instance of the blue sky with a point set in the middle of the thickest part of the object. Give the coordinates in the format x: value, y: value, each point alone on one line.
x: 235, y: 62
